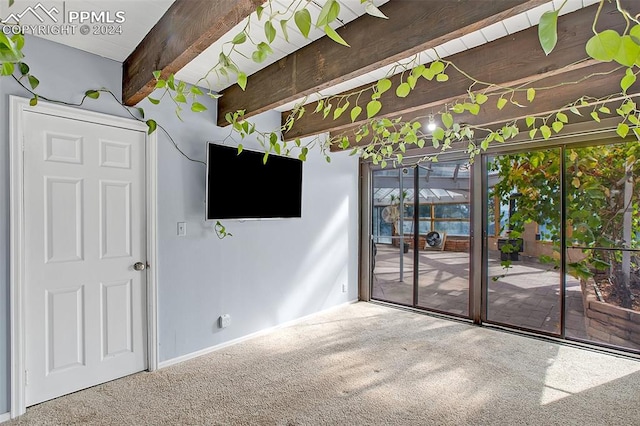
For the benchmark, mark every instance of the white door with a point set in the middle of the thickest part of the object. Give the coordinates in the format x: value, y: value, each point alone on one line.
x: 84, y: 204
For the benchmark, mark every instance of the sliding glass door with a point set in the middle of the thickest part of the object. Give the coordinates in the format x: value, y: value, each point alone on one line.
x: 443, y: 266
x: 523, y: 201
x: 603, y: 244
x: 392, y: 226
x: 559, y: 240
x: 563, y: 242
x: 420, y: 234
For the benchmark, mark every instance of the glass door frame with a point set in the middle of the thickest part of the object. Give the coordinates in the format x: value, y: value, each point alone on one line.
x: 484, y: 259
x: 474, y: 247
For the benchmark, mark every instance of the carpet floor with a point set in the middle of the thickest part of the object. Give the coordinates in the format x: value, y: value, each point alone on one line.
x: 366, y: 364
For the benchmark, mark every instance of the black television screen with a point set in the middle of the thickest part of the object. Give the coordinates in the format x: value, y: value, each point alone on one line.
x: 242, y: 186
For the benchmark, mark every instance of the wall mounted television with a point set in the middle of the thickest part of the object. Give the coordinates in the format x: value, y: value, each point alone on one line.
x: 242, y: 186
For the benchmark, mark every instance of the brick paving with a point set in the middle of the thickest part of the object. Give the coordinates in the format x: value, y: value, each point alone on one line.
x: 526, y: 295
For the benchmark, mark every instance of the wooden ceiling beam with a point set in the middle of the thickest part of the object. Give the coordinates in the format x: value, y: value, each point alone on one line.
x: 413, y: 27
x: 184, y: 31
x: 605, y: 81
x: 507, y: 61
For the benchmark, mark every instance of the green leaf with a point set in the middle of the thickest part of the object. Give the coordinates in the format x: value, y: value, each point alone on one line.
x: 474, y: 109
x: 33, y: 101
x: 532, y: 133
x: 180, y: 97
x: 24, y: 68
x: 9, y: 51
x: 604, y: 46
x: 93, y: 94
x: 240, y: 148
x: 18, y: 39
x: 530, y: 121
x: 403, y: 90
x: 333, y: 35
x: 412, y: 81
x: 242, y: 80
x: 622, y: 130
x: 33, y: 82
x: 628, y: 79
x: 436, y: 67
x: 152, y: 126
x: 442, y: 78
x: 548, y: 30
x: 546, y: 131
x: 557, y: 126
x: 160, y: 84
x: 575, y: 182
x: 383, y: 85
x: 7, y: 68
x: 156, y: 74
x: 372, y: 10
x: 635, y: 33
x: 259, y: 11
x: 438, y: 134
x: 264, y: 47
x: 428, y: 74
x: 153, y: 100
x: 323, y: 17
x: 628, y: 52
x: 484, y: 144
x: 269, y: 31
x: 355, y: 112
x: 603, y: 109
x: 481, y: 98
x: 240, y: 38
x: 198, y: 107
x: 562, y: 117
x: 575, y: 110
x: 302, y: 19
x: 285, y: 29
x: 447, y: 120
x: 501, y: 103
x: 11, y: 2
x: 373, y: 107
x: 259, y: 56
x: 595, y: 116
x: 531, y: 94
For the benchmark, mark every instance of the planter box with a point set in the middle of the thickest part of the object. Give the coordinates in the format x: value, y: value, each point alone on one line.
x: 516, y: 243
x: 609, y: 323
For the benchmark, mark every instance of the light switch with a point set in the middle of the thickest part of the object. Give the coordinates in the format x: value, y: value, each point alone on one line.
x: 182, y: 229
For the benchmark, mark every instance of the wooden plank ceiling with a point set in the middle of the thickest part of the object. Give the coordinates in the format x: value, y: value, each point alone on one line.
x: 183, y: 32
x: 413, y: 27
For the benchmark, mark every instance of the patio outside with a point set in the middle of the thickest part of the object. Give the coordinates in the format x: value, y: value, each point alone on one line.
x: 526, y: 295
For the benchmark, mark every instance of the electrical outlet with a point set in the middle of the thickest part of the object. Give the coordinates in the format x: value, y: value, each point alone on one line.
x: 224, y: 321
x: 182, y: 229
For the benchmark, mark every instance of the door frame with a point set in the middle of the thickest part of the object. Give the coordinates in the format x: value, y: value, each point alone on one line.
x: 18, y: 107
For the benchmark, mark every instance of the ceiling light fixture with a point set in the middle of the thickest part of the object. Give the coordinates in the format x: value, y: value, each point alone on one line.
x: 432, y: 123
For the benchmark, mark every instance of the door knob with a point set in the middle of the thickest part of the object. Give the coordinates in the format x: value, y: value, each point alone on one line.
x: 139, y: 266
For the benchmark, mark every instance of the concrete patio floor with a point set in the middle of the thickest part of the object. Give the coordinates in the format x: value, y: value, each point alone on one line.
x: 526, y: 295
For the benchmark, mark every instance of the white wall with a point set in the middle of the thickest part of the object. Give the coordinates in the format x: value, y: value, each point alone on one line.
x: 268, y: 273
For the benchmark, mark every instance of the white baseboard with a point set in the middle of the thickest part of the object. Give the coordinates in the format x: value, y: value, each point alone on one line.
x: 5, y: 417
x: 214, y: 348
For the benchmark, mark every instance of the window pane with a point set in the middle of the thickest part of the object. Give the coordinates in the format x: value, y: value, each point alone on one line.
x: 452, y: 228
x: 452, y: 211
